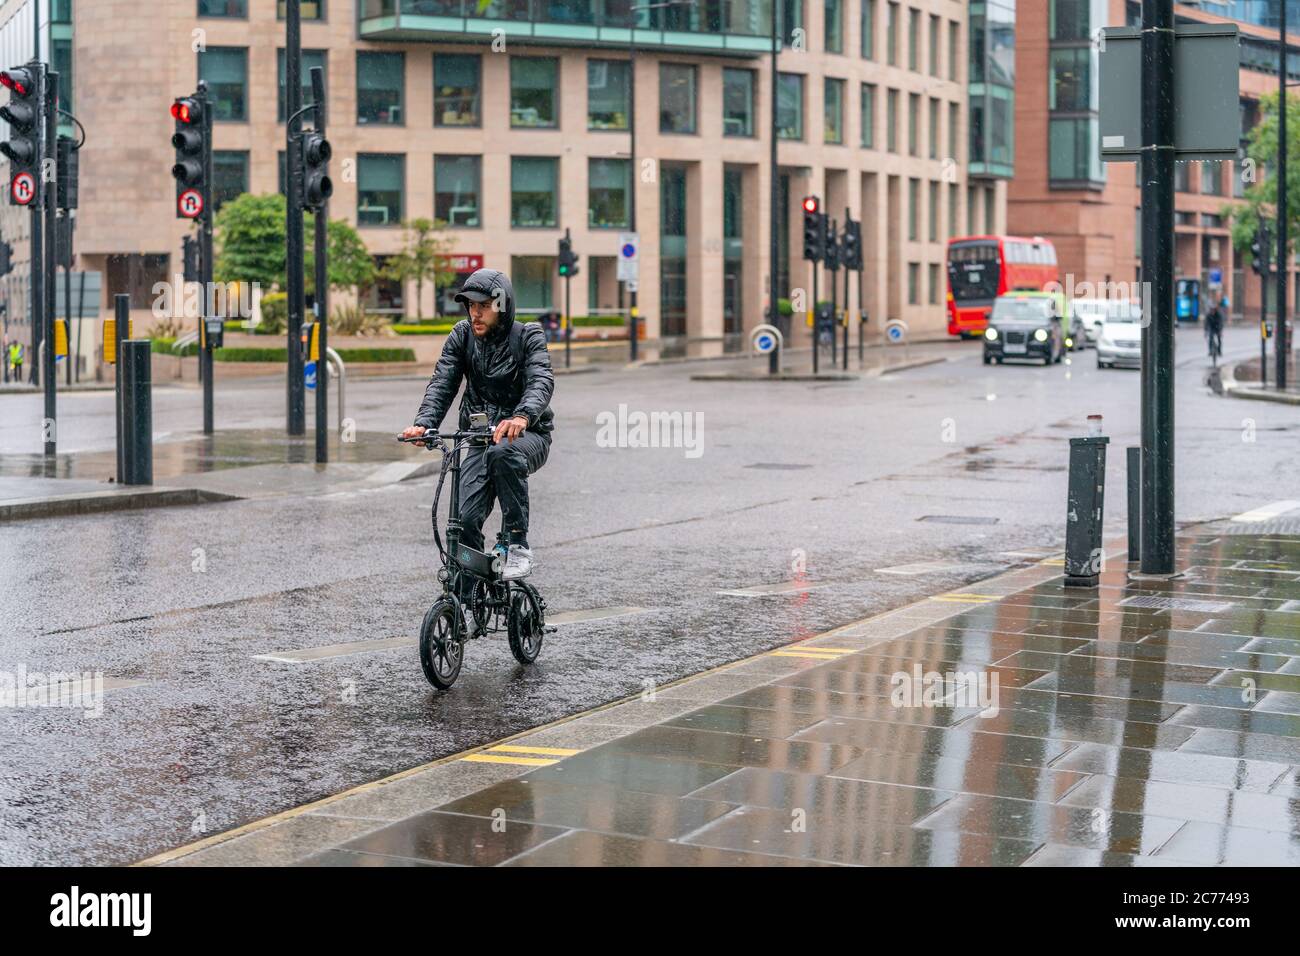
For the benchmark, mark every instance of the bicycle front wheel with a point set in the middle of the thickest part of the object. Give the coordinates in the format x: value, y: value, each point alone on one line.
x: 441, y: 647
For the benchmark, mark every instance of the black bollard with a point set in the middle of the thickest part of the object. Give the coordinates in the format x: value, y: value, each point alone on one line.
x: 1084, y: 508
x: 1135, y: 503
x: 137, y: 402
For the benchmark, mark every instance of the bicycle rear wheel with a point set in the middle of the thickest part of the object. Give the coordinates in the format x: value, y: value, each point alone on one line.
x: 441, y: 647
x: 525, y: 624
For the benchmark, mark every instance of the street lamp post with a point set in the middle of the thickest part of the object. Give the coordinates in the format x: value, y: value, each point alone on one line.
x: 635, y: 321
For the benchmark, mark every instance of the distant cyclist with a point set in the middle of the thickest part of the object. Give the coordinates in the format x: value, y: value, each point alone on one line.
x: 508, y: 377
x: 1214, y: 331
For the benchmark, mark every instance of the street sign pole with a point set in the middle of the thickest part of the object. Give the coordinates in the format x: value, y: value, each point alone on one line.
x: 297, y: 387
x: 49, y: 230
x: 568, y: 318
x: 1282, y: 345
x: 322, y: 287
x: 1157, y: 161
x: 205, y: 260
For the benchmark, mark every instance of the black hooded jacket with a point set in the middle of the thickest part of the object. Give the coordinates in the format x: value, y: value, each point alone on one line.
x: 495, y: 383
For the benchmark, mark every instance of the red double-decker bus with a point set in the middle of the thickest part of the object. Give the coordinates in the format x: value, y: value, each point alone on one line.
x: 981, y: 268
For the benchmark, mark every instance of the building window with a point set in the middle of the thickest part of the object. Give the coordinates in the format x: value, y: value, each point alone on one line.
x: 737, y: 102
x: 223, y: 8
x: 380, y: 180
x: 869, y: 29
x: 1182, y: 177
x: 1069, y: 86
x: 891, y: 35
x: 790, y: 18
x: 971, y: 208
x: 456, y: 189
x: 934, y: 284
x: 533, y: 187
x: 833, y: 32
x: 913, y: 283
x: 891, y: 121
x: 833, y: 108
x: 62, y: 56
x: 953, y: 27
x: 1211, y: 178
x: 136, y: 276
x: 310, y: 58
x: 672, y: 251
x: 310, y: 10
x: 913, y: 208
x: 934, y: 128
x: 533, y: 83
x: 934, y: 45
x: 608, y: 94
x: 532, y: 276
x: 789, y: 106
x: 733, y: 263
x: 954, y: 120
x: 990, y: 210
x: 229, y: 175
x: 676, y: 98
x: 456, y: 83
x: 1074, y: 155
x: 952, y: 210
x: 913, y: 118
x: 913, y: 40
x: 226, y: 71
x: 934, y: 211
x: 868, y: 116
x: 380, y: 87
x: 1069, y: 19
x: 608, y: 189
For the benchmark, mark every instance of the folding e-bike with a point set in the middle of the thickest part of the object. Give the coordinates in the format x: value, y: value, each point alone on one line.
x: 472, y: 578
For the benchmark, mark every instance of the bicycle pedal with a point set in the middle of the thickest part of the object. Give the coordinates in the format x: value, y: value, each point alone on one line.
x: 549, y: 629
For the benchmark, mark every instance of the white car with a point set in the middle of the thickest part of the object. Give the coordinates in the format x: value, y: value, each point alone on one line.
x: 1091, y: 313
x: 1119, y: 342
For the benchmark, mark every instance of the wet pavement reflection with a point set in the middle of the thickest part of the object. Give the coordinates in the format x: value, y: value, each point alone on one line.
x: 1144, y: 723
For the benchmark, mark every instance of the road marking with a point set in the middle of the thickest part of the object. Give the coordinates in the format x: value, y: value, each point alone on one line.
x: 335, y: 650
x: 592, y: 614
x: 959, y: 598
x: 1266, y: 513
x: 814, y: 653
x: 544, y: 751
x: 517, y: 761
x: 921, y: 567
x: 768, y: 590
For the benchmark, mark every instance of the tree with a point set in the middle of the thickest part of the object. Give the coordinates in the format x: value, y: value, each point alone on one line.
x: 249, y: 240
x: 1261, y: 193
x: 425, y: 259
x: 350, y: 264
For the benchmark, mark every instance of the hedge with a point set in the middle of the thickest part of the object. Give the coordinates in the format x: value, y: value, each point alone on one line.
x: 579, y: 321
x: 255, y: 354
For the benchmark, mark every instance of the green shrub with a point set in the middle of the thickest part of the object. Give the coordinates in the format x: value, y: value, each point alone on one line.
x: 164, y: 347
x: 275, y: 313
x: 257, y: 354
x: 411, y: 328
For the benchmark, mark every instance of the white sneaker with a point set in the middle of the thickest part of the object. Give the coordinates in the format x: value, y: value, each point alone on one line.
x: 519, y: 563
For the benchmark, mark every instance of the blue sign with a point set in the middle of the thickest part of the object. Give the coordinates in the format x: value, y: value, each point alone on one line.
x: 896, y: 332
x: 629, y: 250
x: 309, y: 374
x: 1216, y: 276
x: 765, y: 343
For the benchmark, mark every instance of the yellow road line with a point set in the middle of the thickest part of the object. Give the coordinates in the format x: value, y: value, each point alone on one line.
x: 547, y: 751
x: 520, y: 761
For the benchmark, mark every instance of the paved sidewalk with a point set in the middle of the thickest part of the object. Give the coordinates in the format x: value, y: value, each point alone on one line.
x: 1145, y: 723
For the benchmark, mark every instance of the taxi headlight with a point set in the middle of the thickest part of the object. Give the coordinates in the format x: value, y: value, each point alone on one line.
x: 1040, y: 335
x: 991, y: 334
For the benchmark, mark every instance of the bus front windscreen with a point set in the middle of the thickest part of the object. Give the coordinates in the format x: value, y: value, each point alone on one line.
x: 973, y: 270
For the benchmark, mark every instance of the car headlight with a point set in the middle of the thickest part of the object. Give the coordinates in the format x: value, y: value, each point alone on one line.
x: 1040, y: 335
x: 991, y: 334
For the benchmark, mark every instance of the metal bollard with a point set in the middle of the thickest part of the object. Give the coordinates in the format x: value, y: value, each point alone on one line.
x: 122, y: 318
x: 137, y: 404
x: 1135, y: 503
x: 1085, y: 507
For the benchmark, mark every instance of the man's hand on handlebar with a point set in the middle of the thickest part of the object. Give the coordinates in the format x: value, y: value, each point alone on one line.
x: 510, y: 429
x: 419, y: 431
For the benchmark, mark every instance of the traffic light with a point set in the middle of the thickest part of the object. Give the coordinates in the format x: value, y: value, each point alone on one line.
x: 190, y: 259
x: 190, y: 169
x: 852, y: 245
x: 832, y: 246
x: 6, y: 258
x: 317, y: 185
x: 25, y: 147
x: 68, y: 157
x: 568, y: 259
x: 1259, y: 251
x: 814, y: 230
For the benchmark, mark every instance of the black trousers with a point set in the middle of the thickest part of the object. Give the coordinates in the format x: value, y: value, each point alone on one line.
x: 499, y: 471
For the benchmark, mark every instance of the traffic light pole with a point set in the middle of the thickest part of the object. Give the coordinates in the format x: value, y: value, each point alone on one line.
x: 1282, y: 345
x: 296, y: 397
x: 205, y: 264
x: 49, y: 233
x: 815, y: 316
x: 845, y: 366
x: 774, y: 198
x: 322, y: 288
x: 1157, y: 536
x: 568, y: 319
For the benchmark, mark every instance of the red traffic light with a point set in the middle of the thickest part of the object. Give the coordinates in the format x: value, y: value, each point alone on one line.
x: 19, y: 81
x: 810, y: 204
x: 186, y: 111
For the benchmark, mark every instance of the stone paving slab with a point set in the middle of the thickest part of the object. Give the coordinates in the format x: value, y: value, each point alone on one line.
x: 1118, y: 733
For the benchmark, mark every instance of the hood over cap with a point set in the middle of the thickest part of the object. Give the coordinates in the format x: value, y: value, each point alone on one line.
x: 490, y: 285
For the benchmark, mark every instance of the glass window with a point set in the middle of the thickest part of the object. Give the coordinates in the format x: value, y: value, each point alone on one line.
x: 608, y: 186
x: 229, y: 175
x: 62, y: 55
x: 789, y: 106
x: 954, y: 120
x: 226, y: 70
x: 533, y: 184
x: 532, y: 276
x: 953, y: 26
x: 833, y: 26
x: 934, y: 284
x: 934, y: 211
x: 1073, y: 154
x: 913, y: 283
x: 868, y: 117
x: 869, y: 29
x: 934, y: 45
x: 913, y: 120
x: 1211, y: 179
x: 380, y: 87
x: 676, y: 98
x: 990, y: 210
x: 380, y: 182
x: 1068, y: 19
x: 1069, y: 86
x: 608, y: 94
x: 456, y: 189
x: 891, y: 35
x: 737, y: 102
x: 532, y: 92
x: 672, y: 251
x: 456, y: 85
x: 310, y: 58
x: 934, y: 128
x: 309, y: 9
x: 952, y: 210
x: 833, y: 107
x: 913, y: 39
x: 891, y: 121
x: 1182, y: 177
x: 223, y: 8
x: 913, y: 208
x: 790, y: 18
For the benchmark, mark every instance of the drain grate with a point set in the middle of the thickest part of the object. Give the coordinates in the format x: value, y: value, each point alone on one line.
x: 777, y: 466
x: 958, y: 519
x: 1177, y: 604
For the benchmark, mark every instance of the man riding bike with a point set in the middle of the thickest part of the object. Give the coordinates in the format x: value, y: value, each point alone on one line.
x: 507, y: 373
x: 1214, y: 330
